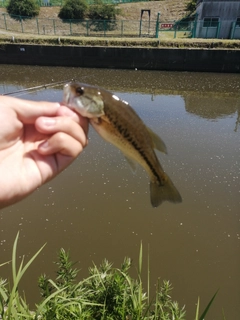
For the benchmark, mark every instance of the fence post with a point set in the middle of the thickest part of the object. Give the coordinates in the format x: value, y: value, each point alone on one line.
x: 233, y: 29
x: 70, y: 26
x: 218, y: 29
x: 5, y: 21
x: 157, y: 24
x: 86, y: 27
x: 54, y: 28
x: 195, y: 26
x: 37, y: 25
x: 21, y: 23
x: 175, y: 29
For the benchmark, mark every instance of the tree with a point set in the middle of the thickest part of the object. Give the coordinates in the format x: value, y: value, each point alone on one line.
x: 191, y: 6
x: 73, y: 9
x: 25, y: 8
x: 102, y: 11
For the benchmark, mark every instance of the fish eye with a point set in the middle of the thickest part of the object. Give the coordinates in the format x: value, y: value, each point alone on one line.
x: 80, y: 90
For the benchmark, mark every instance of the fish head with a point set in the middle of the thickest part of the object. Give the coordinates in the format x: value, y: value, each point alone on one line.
x: 84, y: 99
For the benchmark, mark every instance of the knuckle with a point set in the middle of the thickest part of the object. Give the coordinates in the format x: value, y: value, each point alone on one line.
x: 60, y: 138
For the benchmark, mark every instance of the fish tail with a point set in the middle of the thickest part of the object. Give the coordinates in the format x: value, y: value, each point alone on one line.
x: 166, y: 192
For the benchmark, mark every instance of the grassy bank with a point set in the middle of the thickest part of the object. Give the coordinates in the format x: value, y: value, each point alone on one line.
x: 107, y: 294
x: 120, y: 42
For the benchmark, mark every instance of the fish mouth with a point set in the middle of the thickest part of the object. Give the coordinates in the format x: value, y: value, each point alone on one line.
x: 74, y: 102
x: 87, y: 105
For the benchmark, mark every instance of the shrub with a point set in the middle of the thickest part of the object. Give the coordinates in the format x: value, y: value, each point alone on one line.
x: 191, y: 6
x: 73, y: 9
x: 102, y: 11
x: 107, y: 294
x: 25, y: 8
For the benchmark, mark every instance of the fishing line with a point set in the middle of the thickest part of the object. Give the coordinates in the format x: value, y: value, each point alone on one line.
x: 37, y: 88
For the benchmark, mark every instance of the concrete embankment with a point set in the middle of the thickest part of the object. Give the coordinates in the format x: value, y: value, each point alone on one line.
x: 207, y: 60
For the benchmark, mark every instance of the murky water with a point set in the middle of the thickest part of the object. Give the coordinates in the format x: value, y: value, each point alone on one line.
x: 98, y: 208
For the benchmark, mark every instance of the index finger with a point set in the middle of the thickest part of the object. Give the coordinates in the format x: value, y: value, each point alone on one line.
x: 28, y: 111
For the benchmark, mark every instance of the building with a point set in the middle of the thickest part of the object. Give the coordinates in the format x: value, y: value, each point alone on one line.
x: 218, y: 19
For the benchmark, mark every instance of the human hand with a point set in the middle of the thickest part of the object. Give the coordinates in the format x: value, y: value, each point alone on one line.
x: 37, y: 141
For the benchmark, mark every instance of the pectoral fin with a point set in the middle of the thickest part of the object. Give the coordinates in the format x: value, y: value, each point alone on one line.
x: 157, y: 142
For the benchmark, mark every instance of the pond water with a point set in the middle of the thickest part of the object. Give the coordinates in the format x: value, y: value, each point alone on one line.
x: 97, y: 208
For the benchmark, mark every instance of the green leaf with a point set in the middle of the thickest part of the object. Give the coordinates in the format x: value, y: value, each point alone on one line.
x: 202, y: 317
x: 140, y: 259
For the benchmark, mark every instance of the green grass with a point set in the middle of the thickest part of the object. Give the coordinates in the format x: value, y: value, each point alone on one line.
x: 121, y: 42
x: 108, y: 293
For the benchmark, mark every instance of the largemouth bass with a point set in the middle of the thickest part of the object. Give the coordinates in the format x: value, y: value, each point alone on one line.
x: 120, y: 125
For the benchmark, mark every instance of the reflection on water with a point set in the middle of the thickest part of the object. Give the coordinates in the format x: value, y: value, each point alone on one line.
x: 98, y: 209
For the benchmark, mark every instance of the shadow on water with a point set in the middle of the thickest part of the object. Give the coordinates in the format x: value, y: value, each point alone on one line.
x: 98, y: 209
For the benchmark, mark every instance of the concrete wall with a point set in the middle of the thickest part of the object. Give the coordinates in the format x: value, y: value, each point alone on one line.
x: 211, y: 60
x: 226, y: 11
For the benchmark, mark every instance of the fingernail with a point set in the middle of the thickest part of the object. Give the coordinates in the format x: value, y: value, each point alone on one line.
x: 49, y: 121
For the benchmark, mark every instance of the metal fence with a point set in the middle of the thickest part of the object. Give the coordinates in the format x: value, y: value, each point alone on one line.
x: 97, y: 28
x: 59, y: 3
x: 199, y: 29
x: 175, y: 29
x: 224, y: 29
x: 114, y: 28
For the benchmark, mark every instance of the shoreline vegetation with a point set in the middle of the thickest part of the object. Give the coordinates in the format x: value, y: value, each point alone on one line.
x: 17, y: 38
x: 108, y: 293
x: 170, y: 11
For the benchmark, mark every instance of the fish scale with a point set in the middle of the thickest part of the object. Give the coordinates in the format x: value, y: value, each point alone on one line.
x: 116, y: 122
x: 131, y: 137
